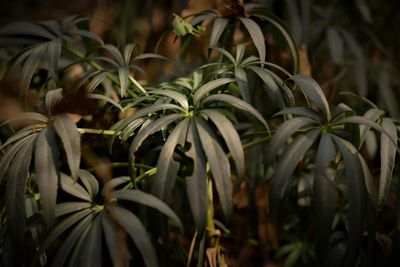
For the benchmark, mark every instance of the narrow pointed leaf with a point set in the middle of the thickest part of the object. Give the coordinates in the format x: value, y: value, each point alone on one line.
x: 53, y: 97
x: 15, y: 196
x: 72, y: 187
x: 164, y: 180
x: 241, y: 80
x: 388, y: 154
x: 90, y: 182
x: 256, y: 35
x: 196, y: 184
x: 149, y: 201
x: 314, y: 92
x: 372, y: 115
x: 138, y: 233
x: 217, y: 30
x: 69, y: 135
x: 208, y: 87
x: 123, y: 73
x: 282, y: 134
x: 324, y: 194
x: 237, y: 103
x: 115, y: 53
x: 70, y: 207
x: 91, y: 255
x: 286, y: 166
x: 107, y: 99
x: 46, y: 154
x: 153, y: 127
x: 300, y: 111
x: 230, y: 136
x: 178, y: 97
x: 356, y: 198
x: 219, y: 165
x: 70, y: 242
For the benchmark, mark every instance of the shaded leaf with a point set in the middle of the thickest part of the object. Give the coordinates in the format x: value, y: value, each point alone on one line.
x: 149, y: 201
x: 335, y: 45
x: 230, y: 136
x: 72, y: 187
x: 164, y: 180
x: 237, y: 103
x: 46, y: 154
x: 90, y: 182
x: 219, y: 165
x: 69, y: 207
x: 256, y: 35
x: 388, y: 153
x: 138, y: 233
x: 314, y: 92
x: 208, y: 87
x: 286, y: 166
x: 15, y: 196
x: 282, y: 134
x: 196, y: 184
x: 69, y: 135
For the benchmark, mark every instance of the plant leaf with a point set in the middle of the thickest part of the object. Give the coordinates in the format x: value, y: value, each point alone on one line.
x: 388, y: 154
x: 256, y: 35
x: 69, y: 207
x: 237, y: 103
x: 70, y: 242
x: 300, y: 111
x: 90, y: 182
x: 138, y: 233
x: 219, y: 165
x: 53, y: 97
x: 324, y: 194
x: 72, y: 187
x: 153, y: 127
x: 314, y: 92
x: 282, y: 134
x: 46, y: 154
x: 164, y: 180
x: 149, y: 201
x: 123, y: 73
x: 217, y: 30
x: 208, y: 87
x: 91, y: 254
x: 178, y: 97
x: 67, y: 131
x: 230, y: 136
x: 284, y: 170
x: 241, y: 80
x: 356, y: 198
x: 15, y: 196
x: 107, y: 99
x: 196, y: 184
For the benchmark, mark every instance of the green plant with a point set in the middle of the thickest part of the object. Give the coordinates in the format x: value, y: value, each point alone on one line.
x: 183, y: 133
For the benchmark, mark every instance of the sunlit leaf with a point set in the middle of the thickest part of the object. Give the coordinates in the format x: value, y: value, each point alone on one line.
x: 217, y: 30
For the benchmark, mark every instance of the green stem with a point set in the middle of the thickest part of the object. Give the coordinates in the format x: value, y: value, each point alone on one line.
x: 96, y: 131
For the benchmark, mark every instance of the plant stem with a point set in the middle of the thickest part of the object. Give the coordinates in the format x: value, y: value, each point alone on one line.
x: 95, y: 131
x: 210, y: 214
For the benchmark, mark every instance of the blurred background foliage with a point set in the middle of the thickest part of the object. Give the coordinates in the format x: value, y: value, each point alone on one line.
x: 346, y: 45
